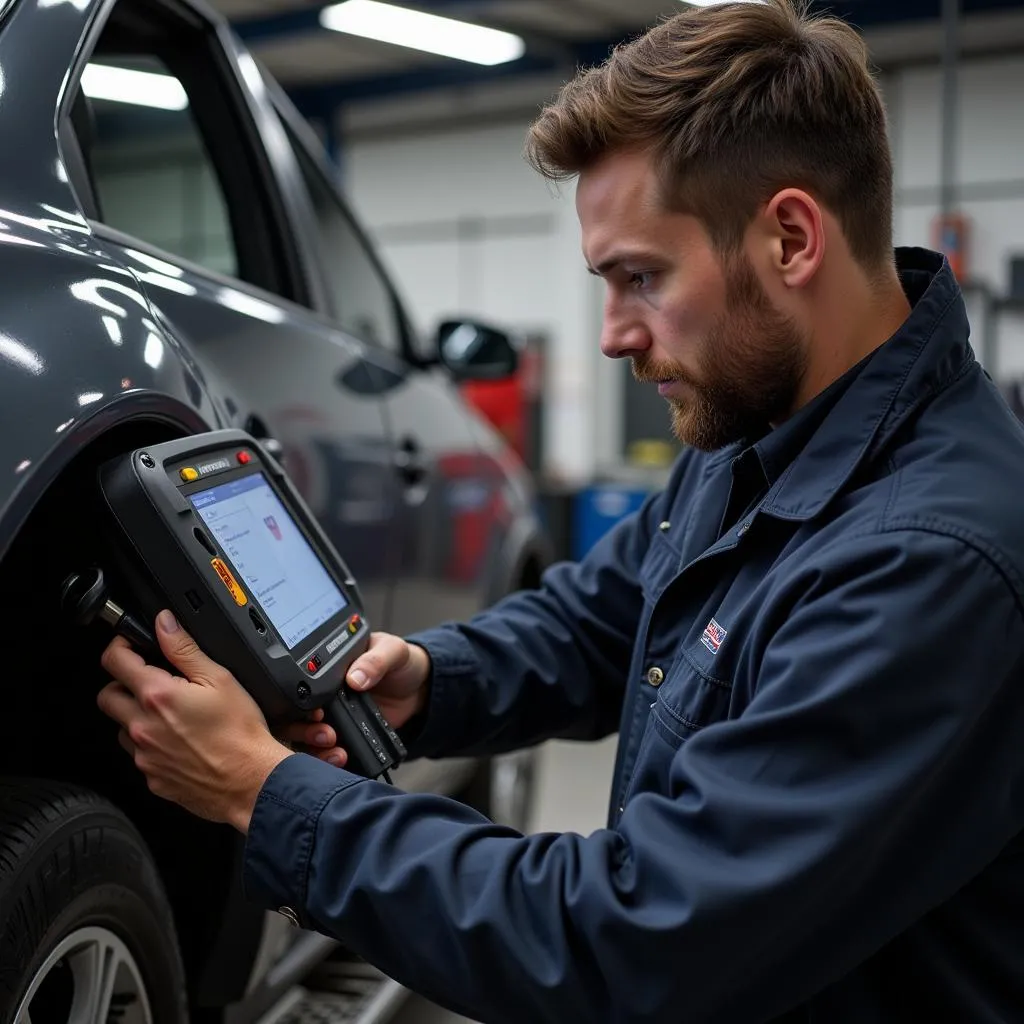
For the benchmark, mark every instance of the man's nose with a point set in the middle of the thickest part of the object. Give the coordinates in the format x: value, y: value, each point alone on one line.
x: 620, y: 339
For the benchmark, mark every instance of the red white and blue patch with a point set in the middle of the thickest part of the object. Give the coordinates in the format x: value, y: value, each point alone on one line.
x: 713, y: 636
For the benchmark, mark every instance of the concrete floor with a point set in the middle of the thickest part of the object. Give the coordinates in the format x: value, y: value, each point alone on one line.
x: 572, y: 795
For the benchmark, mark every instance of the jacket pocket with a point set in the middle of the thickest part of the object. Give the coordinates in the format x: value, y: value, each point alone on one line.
x: 652, y: 770
x: 687, y: 700
x: 690, y: 698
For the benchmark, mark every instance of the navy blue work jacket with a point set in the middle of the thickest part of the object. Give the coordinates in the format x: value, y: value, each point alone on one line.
x: 812, y: 649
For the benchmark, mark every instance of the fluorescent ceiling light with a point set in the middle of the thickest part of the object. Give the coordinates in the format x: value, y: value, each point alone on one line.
x: 154, y: 353
x: 21, y: 355
x: 248, y: 305
x: 445, y: 36
x: 123, y: 85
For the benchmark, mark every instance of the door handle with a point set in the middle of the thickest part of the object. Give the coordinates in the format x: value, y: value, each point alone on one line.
x: 254, y: 425
x: 273, y: 447
x: 409, y: 462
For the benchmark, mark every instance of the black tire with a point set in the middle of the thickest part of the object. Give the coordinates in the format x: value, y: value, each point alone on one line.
x: 72, y: 865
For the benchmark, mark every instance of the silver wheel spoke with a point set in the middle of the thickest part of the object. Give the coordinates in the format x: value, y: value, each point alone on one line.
x: 95, y: 970
x: 102, y: 971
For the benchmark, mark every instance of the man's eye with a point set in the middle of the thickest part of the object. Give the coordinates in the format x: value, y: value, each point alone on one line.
x: 641, y: 280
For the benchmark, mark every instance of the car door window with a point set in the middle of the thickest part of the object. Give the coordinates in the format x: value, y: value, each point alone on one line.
x: 152, y: 174
x: 360, y: 297
x: 169, y: 154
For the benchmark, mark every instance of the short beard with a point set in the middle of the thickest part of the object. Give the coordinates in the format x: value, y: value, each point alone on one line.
x: 752, y: 363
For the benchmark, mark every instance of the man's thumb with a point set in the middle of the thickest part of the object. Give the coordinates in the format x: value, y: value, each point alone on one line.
x: 182, y: 651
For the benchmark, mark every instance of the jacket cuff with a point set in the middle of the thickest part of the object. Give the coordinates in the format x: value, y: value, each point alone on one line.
x: 437, y: 729
x: 282, y: 830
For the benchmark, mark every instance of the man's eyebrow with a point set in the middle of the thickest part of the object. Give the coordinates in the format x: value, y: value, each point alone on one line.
x: 616, y: 259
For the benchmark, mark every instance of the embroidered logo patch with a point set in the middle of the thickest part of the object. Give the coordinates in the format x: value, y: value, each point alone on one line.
x: 713, y: 636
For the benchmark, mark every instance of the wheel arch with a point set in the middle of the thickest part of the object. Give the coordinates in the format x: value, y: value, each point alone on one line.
x: 52, y: 727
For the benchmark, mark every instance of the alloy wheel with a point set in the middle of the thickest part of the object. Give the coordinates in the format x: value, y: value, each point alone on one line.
x: 90, y: 977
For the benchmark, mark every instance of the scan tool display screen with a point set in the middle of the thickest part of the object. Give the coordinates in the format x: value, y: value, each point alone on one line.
x: 268, y: 551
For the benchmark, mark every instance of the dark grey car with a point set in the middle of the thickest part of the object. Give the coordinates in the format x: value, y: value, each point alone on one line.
x: 165, y: 271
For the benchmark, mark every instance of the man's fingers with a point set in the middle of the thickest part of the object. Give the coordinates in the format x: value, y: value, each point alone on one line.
x: 336, y: 756
x: 310, y: 734
x: 131, y: 671
x: 121, y: 660
x: 117, y: 702
x: 319, y: 740
x: 385, y: 653
x: 183, y: 652
x: 125, y: 741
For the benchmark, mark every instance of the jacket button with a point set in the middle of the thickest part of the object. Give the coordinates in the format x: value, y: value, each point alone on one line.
x: 655, y: 676
x: 289, y: 915
x: 665, y: 526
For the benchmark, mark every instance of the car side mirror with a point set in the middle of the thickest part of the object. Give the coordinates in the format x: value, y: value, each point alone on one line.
x: 472, y: 351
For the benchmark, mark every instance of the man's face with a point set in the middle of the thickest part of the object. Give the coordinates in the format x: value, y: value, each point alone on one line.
x: 705, y: 331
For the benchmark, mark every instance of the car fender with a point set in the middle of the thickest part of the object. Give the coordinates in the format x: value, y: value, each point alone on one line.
x: 81, y: 351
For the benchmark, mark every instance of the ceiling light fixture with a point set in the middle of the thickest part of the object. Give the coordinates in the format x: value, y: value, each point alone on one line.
x: 418, y: 31
x: 142, y: 88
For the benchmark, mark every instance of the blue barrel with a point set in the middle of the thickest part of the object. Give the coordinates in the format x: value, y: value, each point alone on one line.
x: 597, y: 509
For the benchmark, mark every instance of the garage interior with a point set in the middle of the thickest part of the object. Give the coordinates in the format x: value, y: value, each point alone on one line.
x: 427, y: 149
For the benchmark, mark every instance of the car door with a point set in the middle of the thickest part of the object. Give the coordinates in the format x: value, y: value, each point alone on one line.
x: 187, y: 193
x: 449, y: 497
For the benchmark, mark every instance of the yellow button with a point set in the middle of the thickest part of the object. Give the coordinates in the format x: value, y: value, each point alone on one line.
x: 230, y: 582
x: 188, y: 475
x: 655, y: 676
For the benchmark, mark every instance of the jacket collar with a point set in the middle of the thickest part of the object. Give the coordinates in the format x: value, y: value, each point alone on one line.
x: 858, y: 414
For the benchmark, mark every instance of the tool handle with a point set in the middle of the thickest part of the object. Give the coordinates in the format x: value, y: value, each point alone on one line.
x: 371, y: 744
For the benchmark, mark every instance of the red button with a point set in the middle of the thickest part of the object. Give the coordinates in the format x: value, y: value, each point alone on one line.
x: 311, y: 665
x: 244, y: 458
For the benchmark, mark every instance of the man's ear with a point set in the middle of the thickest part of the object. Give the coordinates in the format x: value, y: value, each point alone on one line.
x: 796, y: 229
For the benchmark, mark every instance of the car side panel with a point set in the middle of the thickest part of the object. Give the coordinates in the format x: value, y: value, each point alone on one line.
x: 79, y: 352
x: 452, y: 499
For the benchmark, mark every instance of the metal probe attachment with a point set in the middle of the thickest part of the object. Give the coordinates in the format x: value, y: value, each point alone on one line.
x: 84, y: 599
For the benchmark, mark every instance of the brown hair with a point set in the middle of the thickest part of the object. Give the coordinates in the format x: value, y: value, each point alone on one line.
x: 735, y: 102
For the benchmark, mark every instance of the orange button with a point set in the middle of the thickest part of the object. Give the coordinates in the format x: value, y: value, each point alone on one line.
x: 230, y: 582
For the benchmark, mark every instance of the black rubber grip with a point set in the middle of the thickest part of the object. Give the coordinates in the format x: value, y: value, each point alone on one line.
x: 363, y: 733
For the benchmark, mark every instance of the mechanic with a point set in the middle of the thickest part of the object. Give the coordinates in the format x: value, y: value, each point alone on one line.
x: 811, y: 641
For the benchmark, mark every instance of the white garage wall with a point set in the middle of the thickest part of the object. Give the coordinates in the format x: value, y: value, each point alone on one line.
x: 990, y: 176
x: 468, y: 226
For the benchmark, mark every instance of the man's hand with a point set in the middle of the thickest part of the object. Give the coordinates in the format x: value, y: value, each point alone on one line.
x: 397, y: 673
x: 199, y: 738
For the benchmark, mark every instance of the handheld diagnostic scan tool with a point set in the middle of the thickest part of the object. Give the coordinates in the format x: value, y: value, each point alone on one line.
x: 214, y: 525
